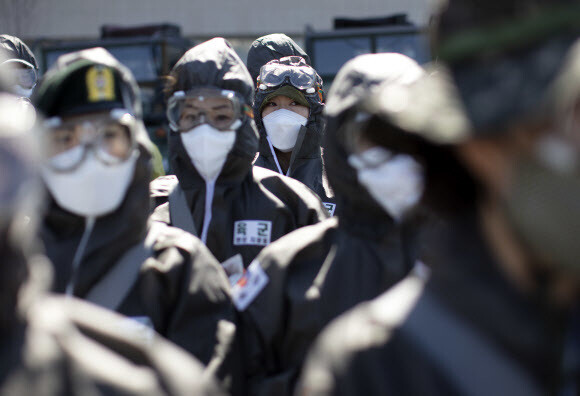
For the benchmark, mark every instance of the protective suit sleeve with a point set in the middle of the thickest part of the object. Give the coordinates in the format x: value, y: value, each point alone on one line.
x: 200, y: 316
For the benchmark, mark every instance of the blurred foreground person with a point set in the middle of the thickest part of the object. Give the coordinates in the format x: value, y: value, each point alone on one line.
x: 18, y: 65
x: 305, y: 279
x: 55, y: 346
x: 288, y: 105
x: 499, y: 314
x: 216, y: 193
x: 96, y: 230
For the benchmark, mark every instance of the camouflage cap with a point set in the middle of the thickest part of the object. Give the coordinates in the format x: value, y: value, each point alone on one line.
x: 288, y: 91
x: 504, y: 58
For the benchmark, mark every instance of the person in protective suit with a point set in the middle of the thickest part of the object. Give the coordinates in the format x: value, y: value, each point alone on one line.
x: 307, y: 164
x: 55, y: 346
x: 288, y: 105
x: 96, y: 229
x: 497, y: 314
x: 19, y: 65
x: 216, y: 192
x: 305, y: 279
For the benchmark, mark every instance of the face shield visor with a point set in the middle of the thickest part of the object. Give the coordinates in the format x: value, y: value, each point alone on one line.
x: 222, y: 109
x: 111, y: 136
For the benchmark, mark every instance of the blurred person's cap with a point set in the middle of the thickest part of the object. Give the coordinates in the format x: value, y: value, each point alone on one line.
x: 84, y: 85
x: 503, y: 58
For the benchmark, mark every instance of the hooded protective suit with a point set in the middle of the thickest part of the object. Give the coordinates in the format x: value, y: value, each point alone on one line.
x: 52, y: 346
x: 180, y: 290
x: 474, y: 328
x: 270, y: 47
x: 306, y: 163
x: 312, y: 275
x: 12, y: 47
x: 227, y: 212
x: 15, y: 55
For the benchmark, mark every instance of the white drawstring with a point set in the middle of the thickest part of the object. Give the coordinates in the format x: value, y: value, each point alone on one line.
x: 209, y: 191
x: 275, y: 157
x: 89, y: 225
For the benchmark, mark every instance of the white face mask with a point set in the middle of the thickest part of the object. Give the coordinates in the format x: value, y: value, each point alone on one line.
x: 208, y: 149
x: 395, y: 181
x: 93, y: 189
x: 282, y: 127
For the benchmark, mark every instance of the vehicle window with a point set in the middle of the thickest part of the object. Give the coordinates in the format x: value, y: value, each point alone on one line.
x: 332, y: 53
x: 412, y: 45
x: 139, y: 58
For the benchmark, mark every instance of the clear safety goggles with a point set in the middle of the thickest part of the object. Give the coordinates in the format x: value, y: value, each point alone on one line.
x: 220, y: 108
x: 111, y: 137
x: 273, y: 75
x: 21, y: 73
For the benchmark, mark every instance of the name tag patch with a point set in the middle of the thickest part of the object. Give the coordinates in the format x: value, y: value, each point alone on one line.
x: 252, y: 232
x: 249, y: 286
x: 330, y: 207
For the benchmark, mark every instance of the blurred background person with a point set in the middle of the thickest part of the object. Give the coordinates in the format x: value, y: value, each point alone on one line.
x: 216, y: 192
x: 499, y: 313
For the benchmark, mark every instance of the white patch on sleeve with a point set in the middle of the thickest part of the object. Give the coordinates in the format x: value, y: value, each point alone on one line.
x: 249, y: 286
x: 139, y: 328
x: 252, y: 232
x: 234, y: 267
x: 330, y: 207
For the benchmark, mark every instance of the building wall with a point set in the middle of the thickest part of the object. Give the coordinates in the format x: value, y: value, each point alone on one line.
x: 70, y: 19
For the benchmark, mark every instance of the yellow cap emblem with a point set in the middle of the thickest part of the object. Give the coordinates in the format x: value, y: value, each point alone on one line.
x: 100, y: 84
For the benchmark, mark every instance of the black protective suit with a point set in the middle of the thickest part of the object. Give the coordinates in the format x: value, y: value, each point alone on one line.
x: 467, y: 332
x: 90, y: 352
x: 180, y: 289
x: 317, y: 273
x: 243, y: 195
x: 270, y: 47
x: 306, y: 163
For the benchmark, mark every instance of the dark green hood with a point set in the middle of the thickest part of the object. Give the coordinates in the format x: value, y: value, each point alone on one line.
x: 270, y: 47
